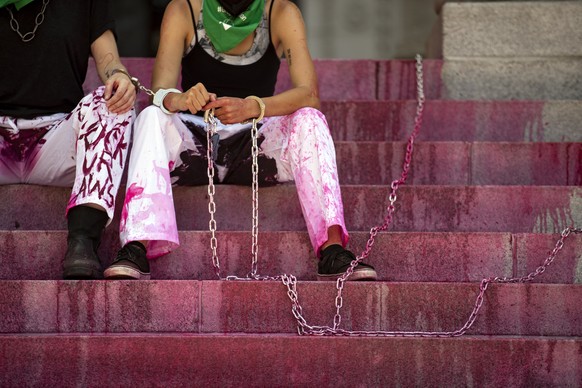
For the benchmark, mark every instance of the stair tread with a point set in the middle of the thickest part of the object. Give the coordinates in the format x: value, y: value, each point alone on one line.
x: 264, y: 307
x: 287, y: 360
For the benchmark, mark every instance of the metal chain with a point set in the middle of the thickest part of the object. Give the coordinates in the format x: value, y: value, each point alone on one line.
x: 139, y: 86
x: 37, y: 22
x: 255, y: 189
x: 211, y: 131
x: 290, y: 281
x: 135, y: 82
x: 305, y: 329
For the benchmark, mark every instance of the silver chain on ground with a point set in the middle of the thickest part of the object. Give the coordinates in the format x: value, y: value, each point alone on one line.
x: 290, y: 281
x: 27, y: 37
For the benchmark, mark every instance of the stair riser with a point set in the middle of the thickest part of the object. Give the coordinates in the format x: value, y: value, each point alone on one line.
x: 473, y: 164
x: 287, y: 361
x: 360, y: 79
x: 264, y: 307
x: 410, y: 257
x: 513, y: 79
x: 515, y: 121
x: 519, y: 209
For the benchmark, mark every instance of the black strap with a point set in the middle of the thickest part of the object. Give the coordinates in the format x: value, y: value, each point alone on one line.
x: 193, y: 20
x: 270, y: 12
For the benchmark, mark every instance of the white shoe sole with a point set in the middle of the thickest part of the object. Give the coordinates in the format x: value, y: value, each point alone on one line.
x: 362, y: 274
x: 125, y: 272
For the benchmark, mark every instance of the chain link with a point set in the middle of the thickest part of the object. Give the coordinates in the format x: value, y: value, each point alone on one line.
x: 139, y: 86
x: 255, y: 189
x: 290, y: 281
x: 27, y: 37
x: 210, y: 131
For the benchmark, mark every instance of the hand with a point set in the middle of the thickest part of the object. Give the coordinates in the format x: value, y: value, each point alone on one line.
x: 232, y: 110
x: 193, y: 100
x: 120, y: 93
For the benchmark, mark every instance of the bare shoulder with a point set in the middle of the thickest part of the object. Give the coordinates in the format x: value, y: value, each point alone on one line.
x: 286, y: 23
x: 285, y: 10
x: 177, y: 19
x: 177, y: 9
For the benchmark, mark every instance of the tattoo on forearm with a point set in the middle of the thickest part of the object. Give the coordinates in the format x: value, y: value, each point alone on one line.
x: 289, y: 60
x: 105, y: 62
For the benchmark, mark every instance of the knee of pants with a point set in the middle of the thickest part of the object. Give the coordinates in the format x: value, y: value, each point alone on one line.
x: 151, y: 120
x: 307, y: 122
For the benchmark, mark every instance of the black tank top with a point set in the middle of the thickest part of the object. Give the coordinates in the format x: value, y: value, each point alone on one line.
x: 228, y: 80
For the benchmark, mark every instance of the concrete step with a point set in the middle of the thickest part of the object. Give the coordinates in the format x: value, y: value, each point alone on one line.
x: 459, y: 163
x: 264, y: 307
x: 505, y: 121
x: 513, y: 79
x: 286, y: 360
x: 407, y: 257
x: 543, y: 209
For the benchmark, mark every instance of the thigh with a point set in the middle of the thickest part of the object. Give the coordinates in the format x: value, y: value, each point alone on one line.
x: 232, y: 157
x: 235, y: 154
x: 21, y: 141
x: 191, y: 166
x: 53, y: 162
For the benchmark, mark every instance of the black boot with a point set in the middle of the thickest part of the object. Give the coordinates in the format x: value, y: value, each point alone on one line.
x: 85, y: 227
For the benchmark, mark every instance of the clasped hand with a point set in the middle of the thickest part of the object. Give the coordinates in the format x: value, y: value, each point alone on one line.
x: 229, y: 110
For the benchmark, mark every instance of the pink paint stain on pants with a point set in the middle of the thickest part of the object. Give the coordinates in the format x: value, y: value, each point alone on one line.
x: 300, y: 144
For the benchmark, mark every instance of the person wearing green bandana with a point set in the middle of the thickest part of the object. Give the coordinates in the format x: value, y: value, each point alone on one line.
x: 227, y: 55
x: 51, y: 133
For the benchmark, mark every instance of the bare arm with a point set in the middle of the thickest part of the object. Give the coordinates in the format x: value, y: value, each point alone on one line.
x: 174, y: 37
x: 119, y: 91
x: 288, y: 34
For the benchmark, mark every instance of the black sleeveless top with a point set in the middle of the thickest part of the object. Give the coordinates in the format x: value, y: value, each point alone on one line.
x: 228, y: 80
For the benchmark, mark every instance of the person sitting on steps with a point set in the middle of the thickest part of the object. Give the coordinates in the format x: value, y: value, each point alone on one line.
x: 228, y: 53
x: 49, y: 133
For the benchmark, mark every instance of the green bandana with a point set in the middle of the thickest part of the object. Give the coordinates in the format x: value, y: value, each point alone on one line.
x: 17, y: 3
x: 225, y: 31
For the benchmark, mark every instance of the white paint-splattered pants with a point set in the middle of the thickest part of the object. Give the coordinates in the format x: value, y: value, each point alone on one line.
x: 86, y: 148
x: 171, y: 149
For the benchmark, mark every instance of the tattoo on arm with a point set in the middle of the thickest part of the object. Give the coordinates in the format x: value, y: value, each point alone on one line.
x: 289, y: 60
x: 105, y: 62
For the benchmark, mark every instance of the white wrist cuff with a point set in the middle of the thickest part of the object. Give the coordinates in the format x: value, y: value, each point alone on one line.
x: 160, y: 96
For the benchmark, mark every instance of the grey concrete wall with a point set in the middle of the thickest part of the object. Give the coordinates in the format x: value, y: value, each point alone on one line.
x: 368, y: 29
x: 516, y: 29
x: 513, y: 50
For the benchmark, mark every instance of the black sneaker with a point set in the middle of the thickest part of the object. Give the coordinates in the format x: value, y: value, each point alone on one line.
x: 131, y: 263
x: 334, y: 262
